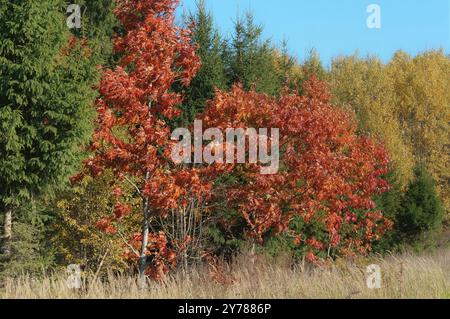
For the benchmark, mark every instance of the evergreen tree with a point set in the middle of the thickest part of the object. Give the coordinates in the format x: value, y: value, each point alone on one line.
x: 99, y: 25
x: 251, y: 60
x: 31, y: 250
x: 46, y: 95
x: 211, y: 75
x: 421, y: 209
x: 287, y: 63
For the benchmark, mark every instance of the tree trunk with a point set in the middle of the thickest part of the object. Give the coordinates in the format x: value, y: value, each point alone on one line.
x: 143, y: 256
x: 144, y: 233
x: 7, y: 233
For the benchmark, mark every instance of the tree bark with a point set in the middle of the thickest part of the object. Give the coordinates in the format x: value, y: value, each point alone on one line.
x: 7, y: 233
x: 143, y: 255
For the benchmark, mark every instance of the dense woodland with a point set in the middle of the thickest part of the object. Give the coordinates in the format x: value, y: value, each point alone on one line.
x: 85, y: 122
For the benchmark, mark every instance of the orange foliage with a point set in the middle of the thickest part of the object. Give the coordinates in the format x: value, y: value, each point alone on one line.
x: 328, y: 174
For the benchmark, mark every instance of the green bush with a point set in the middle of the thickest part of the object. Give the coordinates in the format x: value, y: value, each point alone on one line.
x: 421, y: 209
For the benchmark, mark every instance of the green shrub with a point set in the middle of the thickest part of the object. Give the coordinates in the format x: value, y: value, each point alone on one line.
x: 421, y: 209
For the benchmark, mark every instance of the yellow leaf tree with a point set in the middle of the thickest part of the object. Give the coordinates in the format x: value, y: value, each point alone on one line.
x: 364, y: 86
x: 422, y: 104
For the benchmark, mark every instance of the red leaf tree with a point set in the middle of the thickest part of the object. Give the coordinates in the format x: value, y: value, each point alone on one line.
x: 327, y: 178
x: 136, y: 104
x: 328, y: 174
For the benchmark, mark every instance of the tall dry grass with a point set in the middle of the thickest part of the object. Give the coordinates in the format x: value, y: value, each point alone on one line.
x: 403, y: 276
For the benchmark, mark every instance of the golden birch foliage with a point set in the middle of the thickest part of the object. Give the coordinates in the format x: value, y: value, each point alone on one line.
x: 422, y: 100
x: 406, y: 104
x: 364, y: 86
x: 76, y: 238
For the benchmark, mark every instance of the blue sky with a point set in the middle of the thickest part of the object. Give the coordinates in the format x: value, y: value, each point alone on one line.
x: 335, y: 27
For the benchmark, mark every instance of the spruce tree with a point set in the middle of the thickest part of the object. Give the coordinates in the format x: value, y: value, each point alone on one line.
x: 99, y: 25
x: 211, y: 75
x: 250, y: 59
x: 421, y: 209
x: 46, y: 96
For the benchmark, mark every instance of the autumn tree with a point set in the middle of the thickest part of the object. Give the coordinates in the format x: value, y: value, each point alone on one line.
x: 422, y: 98
x: 322, y: 196
x: 45, y: 103
x: 312, y: 66
x: 75, y: 236
x: 403, y: 103
x: 133, y: 135
x: 364, y: 86
x: 289, y: 72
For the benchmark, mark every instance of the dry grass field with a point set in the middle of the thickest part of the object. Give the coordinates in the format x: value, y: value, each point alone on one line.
x: 403, y: 276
